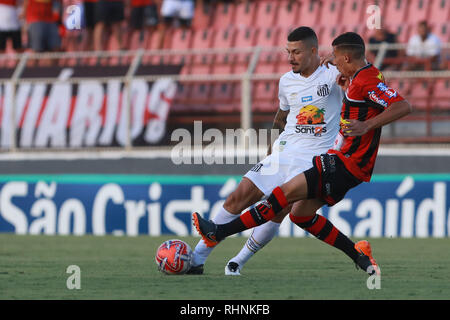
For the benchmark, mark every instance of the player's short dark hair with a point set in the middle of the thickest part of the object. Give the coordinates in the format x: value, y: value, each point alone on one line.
x: 350, y: 42
x: 304, y: 34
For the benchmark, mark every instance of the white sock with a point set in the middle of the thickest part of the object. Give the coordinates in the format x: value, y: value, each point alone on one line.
x: 201, y: 251
x: 260, y: 236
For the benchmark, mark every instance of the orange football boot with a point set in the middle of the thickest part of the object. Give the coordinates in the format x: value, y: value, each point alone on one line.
x: 366, y: 261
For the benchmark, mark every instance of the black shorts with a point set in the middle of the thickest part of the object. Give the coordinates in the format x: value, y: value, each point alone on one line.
x: 328, y: 179
x: 144, y: 17
x: 15, y: 36
x: 183, y: 22
x: 89, y: 14
x: 109, y: 11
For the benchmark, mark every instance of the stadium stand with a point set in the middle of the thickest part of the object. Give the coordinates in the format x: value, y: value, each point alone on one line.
x: 265, y: 24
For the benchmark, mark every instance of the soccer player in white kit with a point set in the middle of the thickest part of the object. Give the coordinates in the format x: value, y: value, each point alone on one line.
x: 309, y: 116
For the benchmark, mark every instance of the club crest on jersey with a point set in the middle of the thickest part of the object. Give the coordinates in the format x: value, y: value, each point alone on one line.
x: 380, y: 76
x: 311, y: 120
x: 323, y: 90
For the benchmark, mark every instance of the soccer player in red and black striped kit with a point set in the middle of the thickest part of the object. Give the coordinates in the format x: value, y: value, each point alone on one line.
x: 368, y: 105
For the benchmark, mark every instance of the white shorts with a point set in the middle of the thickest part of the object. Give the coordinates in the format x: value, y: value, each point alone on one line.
x: 9, y: 18
x: 275, y: 170
x: 178, y: 9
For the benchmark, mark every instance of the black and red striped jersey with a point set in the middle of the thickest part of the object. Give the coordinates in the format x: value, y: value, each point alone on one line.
x: 366, y: 96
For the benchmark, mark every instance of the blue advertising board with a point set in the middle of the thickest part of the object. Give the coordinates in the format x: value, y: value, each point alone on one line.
x: 389, y: 206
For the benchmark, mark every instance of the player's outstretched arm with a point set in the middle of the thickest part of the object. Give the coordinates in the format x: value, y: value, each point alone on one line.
x: 394, y: 112
x: 278, y: 123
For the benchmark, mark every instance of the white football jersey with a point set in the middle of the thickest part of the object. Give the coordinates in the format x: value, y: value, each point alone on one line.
x: 314, y: 105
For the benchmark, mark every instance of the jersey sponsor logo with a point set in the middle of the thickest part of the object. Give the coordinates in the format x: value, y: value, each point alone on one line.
x: 311, y: 115
x: 307, y: 99
x: 391, y: 93
x: 375, y: 98
x: 323, y: 90
x: 317, y: 131
x: 310, y: 120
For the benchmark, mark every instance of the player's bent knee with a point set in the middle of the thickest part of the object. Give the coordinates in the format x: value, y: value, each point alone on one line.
x: 244, y: 196
x: 232, y: 203
x: 296, y: 188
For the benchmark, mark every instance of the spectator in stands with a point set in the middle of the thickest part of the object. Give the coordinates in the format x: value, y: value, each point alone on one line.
x: 89, y: 23
x: 10, y: 27
x: 175, y: 11
x: 383, y: 35
x: 144, y: 15
x: 43, y: 33
x: 423, y: 49
x: 109, y: 15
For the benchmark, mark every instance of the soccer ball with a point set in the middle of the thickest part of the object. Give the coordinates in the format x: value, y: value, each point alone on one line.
x: 174, y: 257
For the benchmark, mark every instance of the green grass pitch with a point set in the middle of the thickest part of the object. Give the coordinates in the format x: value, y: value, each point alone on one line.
x: 34, y: 267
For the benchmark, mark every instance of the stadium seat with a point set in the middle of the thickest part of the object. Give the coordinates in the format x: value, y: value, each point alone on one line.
x: 201, y: 63
x: 420, y: 94
x: 266, y: 13
x: 222, y: 96
x: 265, y: 96
x: 442, y: 30
x: 236, y: 95
x: 112, y: 45
x: 417, y: 11
x: 281, y: 57
x: 245, y: 14
x: 288, y: 14
x: 353, y: 12
x: 224, y: 14
x: 267, y: 36
x: 268, y: 58
x: 182, y: 93
x: 202, y: 39
x: 199, y: 93
x: 395, y: 12
x: 152, y: 40
x: 180, y: 40
x: 245, y: 38
x: 224, y: 62
x: 327, y: 35
x: 440, y: 11
x: 202, y: 17
x: 151, y: 43
x: 330, y: 14
x: 281, y: 39
x: 441, y: 94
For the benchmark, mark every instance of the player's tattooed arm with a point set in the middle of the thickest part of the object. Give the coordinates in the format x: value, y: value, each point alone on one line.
x: 278, y: 124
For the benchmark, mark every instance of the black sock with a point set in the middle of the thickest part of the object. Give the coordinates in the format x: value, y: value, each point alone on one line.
x: 324, y: 230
